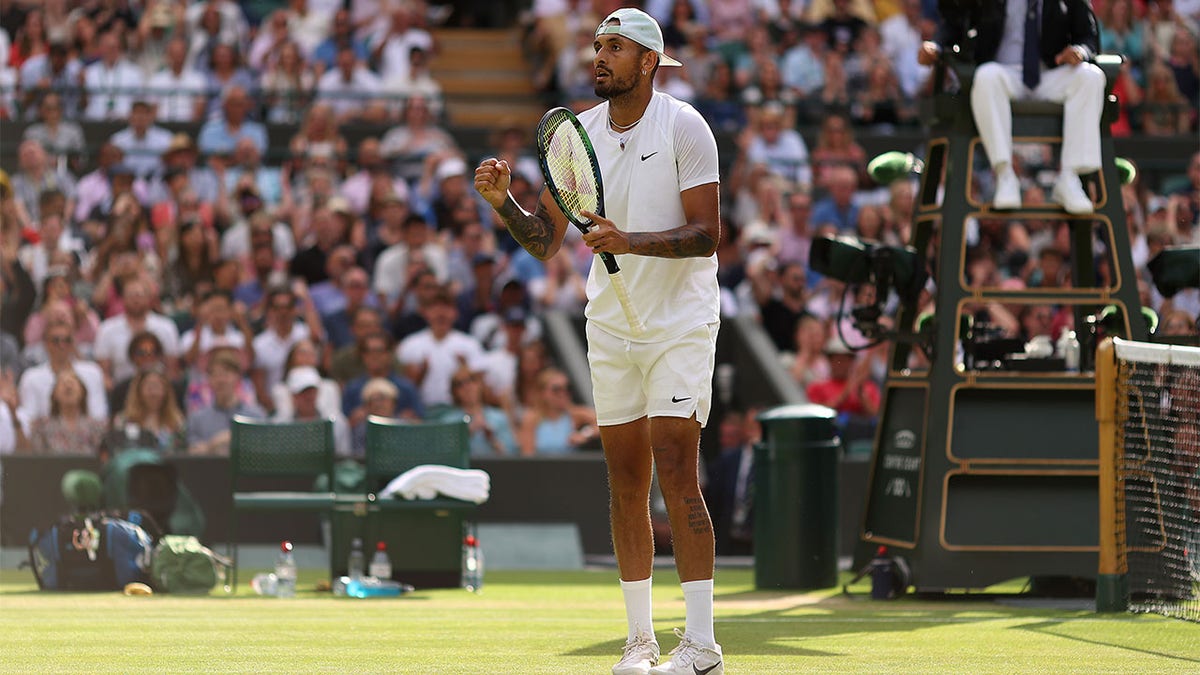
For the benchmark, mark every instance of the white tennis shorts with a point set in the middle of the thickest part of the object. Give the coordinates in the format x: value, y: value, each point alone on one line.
x: 652, y: 379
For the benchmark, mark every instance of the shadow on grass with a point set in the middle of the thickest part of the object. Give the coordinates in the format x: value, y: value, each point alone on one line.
x: 1112, y: 641
x: 791, y: 618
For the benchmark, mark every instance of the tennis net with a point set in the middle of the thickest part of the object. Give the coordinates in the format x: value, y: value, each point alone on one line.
x: 1148, y: 406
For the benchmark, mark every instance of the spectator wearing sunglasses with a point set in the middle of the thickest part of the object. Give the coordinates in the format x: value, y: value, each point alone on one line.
x: 36, y: 385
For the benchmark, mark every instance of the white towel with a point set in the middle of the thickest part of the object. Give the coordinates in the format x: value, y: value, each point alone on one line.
x: 429, y: 480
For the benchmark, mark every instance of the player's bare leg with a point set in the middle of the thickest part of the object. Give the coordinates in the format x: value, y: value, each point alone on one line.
x: 628, y: 457
x: 676, y: 443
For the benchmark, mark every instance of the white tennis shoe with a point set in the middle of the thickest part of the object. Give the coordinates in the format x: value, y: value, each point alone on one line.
x: 1008, y: 191
x: 692, y: 658
x: 1068, y: 192
x: 641, y: 654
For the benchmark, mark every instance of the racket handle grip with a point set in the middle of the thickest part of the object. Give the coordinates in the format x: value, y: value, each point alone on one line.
x: 635, y: 322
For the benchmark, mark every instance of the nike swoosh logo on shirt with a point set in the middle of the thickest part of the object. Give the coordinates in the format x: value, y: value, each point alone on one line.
x: 646, y: 157
x: 681, y: 400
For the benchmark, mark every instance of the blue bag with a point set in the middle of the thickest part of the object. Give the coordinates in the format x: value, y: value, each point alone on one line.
x: 91, y: 552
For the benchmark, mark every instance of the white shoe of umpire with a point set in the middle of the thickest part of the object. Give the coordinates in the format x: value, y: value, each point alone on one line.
x: 1068, y: 191
x: 641, y: 654
x: 692, y: 658
x: 1008, y: 191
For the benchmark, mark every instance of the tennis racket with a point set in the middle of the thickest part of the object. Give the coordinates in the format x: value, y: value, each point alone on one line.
x: 573, y: 177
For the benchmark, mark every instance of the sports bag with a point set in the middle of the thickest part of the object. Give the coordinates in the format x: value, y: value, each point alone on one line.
x: 181, y: 564
x: 91, y: 552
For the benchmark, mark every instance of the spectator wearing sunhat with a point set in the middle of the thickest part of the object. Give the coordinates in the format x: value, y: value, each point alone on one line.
x: 181, y: 159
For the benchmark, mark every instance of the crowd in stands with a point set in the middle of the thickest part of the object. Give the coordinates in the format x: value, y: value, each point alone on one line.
x: 159, y: 283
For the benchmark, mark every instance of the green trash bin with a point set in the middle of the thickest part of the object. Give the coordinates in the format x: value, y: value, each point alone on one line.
x: 796, y: 498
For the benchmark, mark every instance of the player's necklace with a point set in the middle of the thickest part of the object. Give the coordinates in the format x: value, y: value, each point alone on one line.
x: 623, y: 129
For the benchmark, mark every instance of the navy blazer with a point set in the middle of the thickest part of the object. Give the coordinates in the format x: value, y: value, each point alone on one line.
x: 1064, y: 23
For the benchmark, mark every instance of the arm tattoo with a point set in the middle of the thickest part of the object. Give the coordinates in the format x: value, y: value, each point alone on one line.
x: 697, y: 516
x: 533, y: 231
x: 690, y: 241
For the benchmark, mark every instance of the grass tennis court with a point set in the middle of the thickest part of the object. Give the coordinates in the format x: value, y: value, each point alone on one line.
x: 566, y: 622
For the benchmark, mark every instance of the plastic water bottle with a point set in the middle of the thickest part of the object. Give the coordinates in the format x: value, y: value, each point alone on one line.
x: 356, y: 566
x: 369, y: 587
x: 1068, y: 347
x: 265, y: 583
x: 472, y: 564
x: 285, y: 572
x: 882, y: 586
x: 381, y: 565
x: 372, y: 587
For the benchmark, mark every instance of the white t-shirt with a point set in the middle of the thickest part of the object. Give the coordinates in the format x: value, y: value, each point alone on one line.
x: 175, y: 95
x: 394, y: 59
x: 443, y: 357
x: 111, y: 90
x: 671, y: 150
x: 232, y: 337
x: 787, y: 156
x: 37, y: 385
x: 345, y: 97
x: 500, y: 371
x: 143, y: 155
x: 114, y: 334
x: 391, y: 267
x: 329, y: 400
x: 8, y: 427
x: 235, y: 242
x: 271, y: 351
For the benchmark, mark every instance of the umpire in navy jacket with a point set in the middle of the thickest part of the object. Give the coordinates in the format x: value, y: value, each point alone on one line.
x: 1030, y: 50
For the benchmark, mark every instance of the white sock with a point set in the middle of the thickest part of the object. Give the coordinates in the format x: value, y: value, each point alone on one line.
x: 637, y: 606
x: 698, y: 601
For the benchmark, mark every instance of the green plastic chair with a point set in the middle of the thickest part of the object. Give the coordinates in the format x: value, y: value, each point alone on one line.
x: 394, y: 447
x: 424, y: 537
x: 261, y: 450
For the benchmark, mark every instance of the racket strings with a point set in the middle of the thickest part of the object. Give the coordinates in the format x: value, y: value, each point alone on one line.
x: 569, y: 166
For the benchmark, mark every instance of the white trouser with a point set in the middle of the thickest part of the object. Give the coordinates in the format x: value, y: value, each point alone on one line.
x: 1079, y: 88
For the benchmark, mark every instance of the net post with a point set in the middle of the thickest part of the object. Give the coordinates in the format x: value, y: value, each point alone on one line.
x: 1112, y: 588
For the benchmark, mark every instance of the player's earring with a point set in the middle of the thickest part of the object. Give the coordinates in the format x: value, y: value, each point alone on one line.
x: 644, y: 72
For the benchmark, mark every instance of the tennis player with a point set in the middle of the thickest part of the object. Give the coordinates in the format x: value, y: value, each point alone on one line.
x: 658, y: 161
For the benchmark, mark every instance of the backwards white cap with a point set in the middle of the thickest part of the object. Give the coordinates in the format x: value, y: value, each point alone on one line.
x: 639, y: 27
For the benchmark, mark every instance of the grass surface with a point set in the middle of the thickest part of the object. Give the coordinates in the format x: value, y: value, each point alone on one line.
x: 565, y: 622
